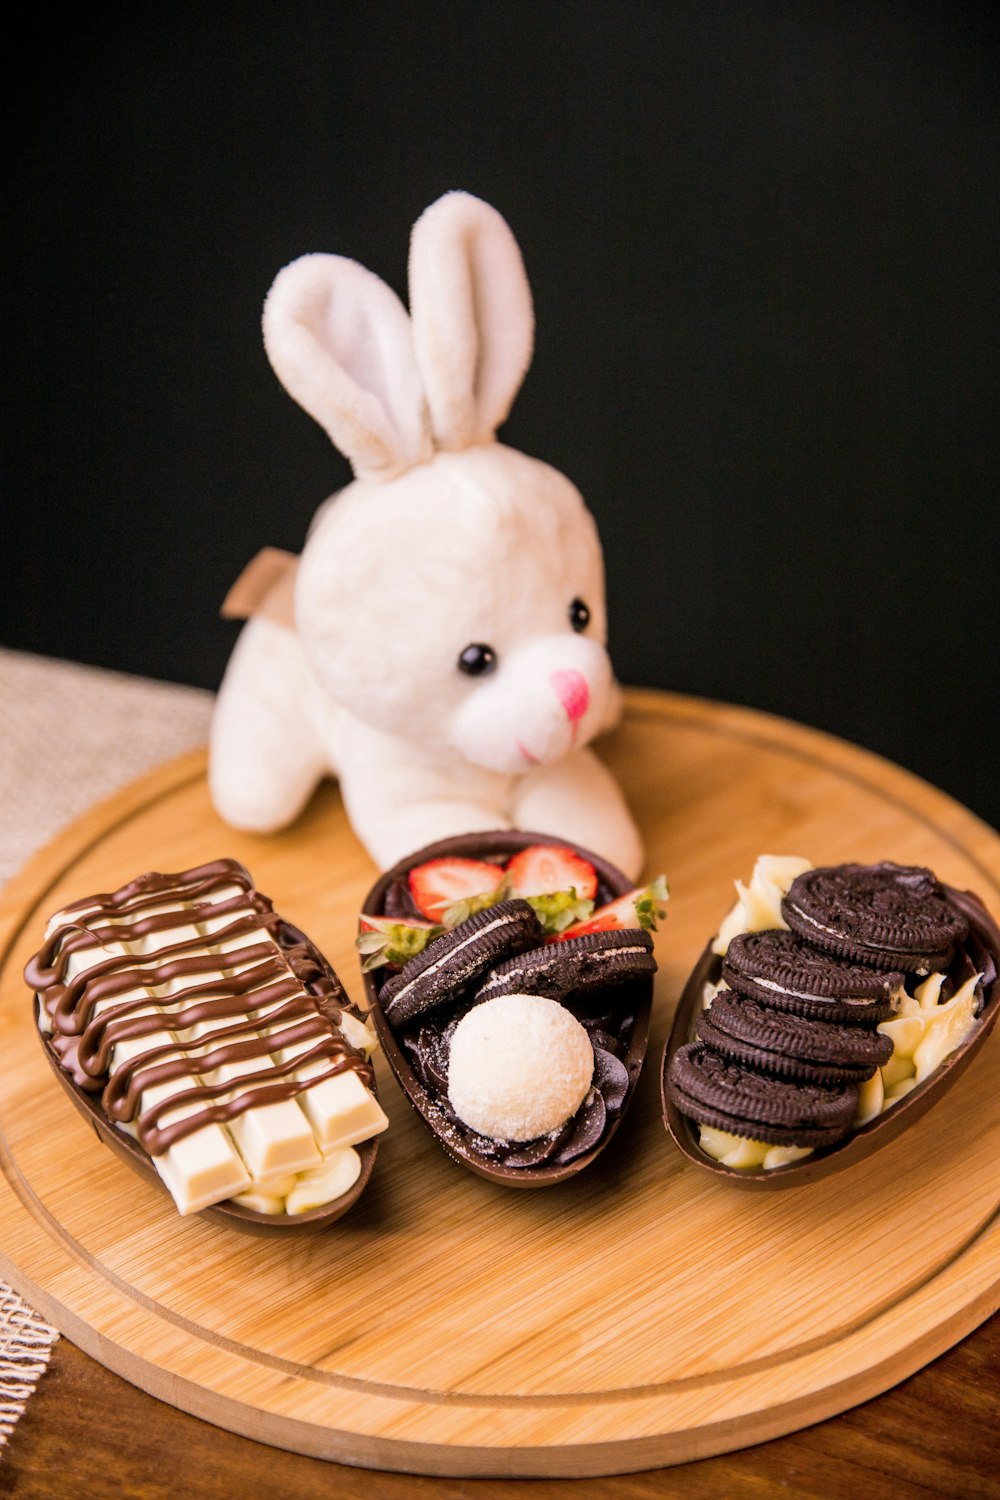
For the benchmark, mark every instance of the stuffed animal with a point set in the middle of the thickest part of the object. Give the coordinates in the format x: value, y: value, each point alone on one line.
x: 447, y: 658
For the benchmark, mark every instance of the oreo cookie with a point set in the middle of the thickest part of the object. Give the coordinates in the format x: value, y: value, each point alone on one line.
x: 578, y: 966
x: 782, y: 1044
x: 888, y: 915
x: 458, y: 959
x: 822, y: 1042
x: 782, y: 970
x: 728, y: 1096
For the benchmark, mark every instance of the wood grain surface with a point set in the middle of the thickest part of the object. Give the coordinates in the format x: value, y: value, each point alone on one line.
x: 644, y: 1316
x: 87, y: 1432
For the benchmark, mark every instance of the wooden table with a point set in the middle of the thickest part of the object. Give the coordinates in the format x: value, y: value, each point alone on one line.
x: 88, y: 1432
x: 933, y: 1433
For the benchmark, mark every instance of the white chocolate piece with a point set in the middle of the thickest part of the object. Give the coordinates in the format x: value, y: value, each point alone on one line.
x: 260, y: 1202
x: 717, y: 1143
x: 360, y: 1034
x: 895, y: 1070
x: 928, y: 994
x: 710, y: 991
x: 338, y: 1112
x: 947, y: 1029
x: 520, y: 1067
x: 271, y: 1138
x: 201, y: 1168
x: 758, y: 907
x: 905, y: 1033
x: 332, y: 1180
x: 904, y: 1087
x: 783, y: 1156
x: 748, y: 1153
x: 871, y: 1096
x: 341, y: 1110
x: 278, y: 1151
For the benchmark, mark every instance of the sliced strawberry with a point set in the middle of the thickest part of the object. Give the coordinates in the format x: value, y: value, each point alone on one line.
x: 389, y: 941
x: 542, y: 869
x: 442, y: 883
x: 642, y: 907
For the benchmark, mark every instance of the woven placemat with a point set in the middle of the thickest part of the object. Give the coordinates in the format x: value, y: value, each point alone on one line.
x: 71, y: 736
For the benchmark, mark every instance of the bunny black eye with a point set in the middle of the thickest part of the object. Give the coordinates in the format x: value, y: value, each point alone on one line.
x: 579, y: 615
x: 477, y: 659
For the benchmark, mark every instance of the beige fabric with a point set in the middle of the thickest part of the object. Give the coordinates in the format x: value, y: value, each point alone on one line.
x: 25, y: 1345
x: 70, y: 735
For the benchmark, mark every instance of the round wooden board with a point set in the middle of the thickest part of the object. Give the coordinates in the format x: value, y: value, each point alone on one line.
x: 639, y: 1315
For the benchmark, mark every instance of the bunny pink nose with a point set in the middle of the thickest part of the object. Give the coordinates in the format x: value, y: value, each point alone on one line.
x: 572, y: 691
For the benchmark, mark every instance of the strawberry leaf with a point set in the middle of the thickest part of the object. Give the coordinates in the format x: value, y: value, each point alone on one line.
x: 650, y: 904
x: 560, y: 909
x: 384, y: 942
x: 460, y: 911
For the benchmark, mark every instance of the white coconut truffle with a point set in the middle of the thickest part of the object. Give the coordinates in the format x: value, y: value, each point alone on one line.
x: 520, y: 1066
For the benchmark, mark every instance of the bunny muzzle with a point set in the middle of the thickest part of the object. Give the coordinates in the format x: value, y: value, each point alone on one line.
x: 547, y: 697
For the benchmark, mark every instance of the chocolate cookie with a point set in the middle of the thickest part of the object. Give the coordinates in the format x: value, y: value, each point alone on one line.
x: 887, y: 914
x: 780, y: 969
x: 820, y: 1042
x: 727, y: 1096
x: 769, y: 1055
x: 577, y: 966
x: 458, y: 959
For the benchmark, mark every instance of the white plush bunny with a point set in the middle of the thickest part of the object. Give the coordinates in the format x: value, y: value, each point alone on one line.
x: 447, y: 660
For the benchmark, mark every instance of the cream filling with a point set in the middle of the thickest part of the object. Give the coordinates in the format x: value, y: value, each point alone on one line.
x: 771, y: 984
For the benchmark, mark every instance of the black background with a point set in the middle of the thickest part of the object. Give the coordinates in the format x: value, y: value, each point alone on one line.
x: 762, y: 240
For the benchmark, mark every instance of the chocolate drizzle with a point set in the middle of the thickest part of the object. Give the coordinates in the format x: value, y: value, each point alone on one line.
x: 273, y: 977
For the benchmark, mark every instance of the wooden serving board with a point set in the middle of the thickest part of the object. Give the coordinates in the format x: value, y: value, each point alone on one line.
x: 638, y: 1315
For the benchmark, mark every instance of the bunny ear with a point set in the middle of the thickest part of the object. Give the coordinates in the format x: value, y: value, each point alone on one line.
x: 341, y: 343
x: 473, y: 324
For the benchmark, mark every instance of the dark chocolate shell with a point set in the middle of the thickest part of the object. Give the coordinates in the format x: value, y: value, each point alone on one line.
x: 617, y: 1019
x: 978, y: 953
